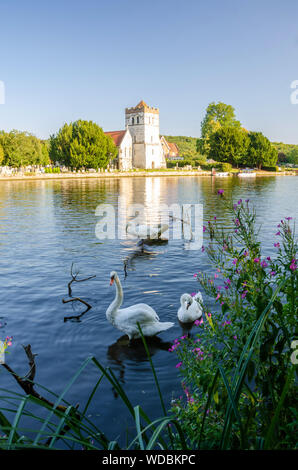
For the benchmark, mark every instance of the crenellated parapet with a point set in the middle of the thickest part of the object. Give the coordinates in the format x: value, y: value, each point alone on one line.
x: 142, y: 106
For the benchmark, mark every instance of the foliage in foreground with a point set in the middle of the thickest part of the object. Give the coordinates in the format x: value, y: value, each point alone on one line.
x: 239, y: 371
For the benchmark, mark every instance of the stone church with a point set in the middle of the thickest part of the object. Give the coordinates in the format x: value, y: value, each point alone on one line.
x: 140, y: 145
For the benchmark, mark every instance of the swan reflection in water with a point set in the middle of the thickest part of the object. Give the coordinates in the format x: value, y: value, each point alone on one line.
x: 133, y: 351
x: 187, y: 328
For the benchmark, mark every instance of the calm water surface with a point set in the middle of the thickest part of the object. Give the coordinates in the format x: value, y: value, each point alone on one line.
x: 47, y: 225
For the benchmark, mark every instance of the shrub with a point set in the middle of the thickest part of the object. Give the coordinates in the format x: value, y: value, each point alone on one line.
x: 270, y: 168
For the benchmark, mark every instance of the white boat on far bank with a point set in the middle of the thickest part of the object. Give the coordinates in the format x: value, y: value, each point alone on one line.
x: 247, y: 173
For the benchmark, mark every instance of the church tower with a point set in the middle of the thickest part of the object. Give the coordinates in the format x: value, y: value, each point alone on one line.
x: 143, y: 124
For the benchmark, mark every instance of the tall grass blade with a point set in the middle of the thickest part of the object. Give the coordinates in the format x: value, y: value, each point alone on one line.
x: 274, y: 421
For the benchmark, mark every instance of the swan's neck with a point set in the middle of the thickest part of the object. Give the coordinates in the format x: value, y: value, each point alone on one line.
x: 113, y: 308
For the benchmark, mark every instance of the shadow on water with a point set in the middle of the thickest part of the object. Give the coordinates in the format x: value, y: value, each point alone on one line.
x: 123, y: 351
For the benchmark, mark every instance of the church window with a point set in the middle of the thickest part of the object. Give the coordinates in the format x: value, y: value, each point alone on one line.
x: 132, y: 121
x: 138, y: 120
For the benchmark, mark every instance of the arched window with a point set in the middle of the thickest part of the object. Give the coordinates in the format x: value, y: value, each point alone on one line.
x: 138, y: 120
x: 133, y: 120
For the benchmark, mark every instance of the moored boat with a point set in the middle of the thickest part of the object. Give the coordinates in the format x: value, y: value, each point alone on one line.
x: 247, y: 173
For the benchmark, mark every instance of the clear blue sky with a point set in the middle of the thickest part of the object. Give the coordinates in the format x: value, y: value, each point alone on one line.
x: 64, y: 60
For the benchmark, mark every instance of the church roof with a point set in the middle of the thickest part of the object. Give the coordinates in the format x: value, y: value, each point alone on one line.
x: 142, y: 104
x: 173, y: 147
x: 117, y: 136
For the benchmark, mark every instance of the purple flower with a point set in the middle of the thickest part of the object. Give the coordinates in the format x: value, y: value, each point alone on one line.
x: 277, y: 233
x: 220, y: 192
x: 243, y: 295
x: 256, y: 260
x: 203, y: 248
x: 268, y: 258
x: 240, y: 201
x: 289, y: 218
x: 235, y: 207
x: 237, y: 222
x: 235, y: 337
x: 178, y: 365
x: 277, y: 245
x: 247, y: 201
x: 235, y: 260
x: 264, y: 264
x: 293, y: 265
x: 273, y: 273
x: 214, y: 218
x: 204, y: 228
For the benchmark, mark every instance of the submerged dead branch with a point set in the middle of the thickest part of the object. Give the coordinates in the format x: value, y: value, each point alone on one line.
x: 74, y: 279
x: 27, y: 384
x: 27, y: 381
x: 76, y: 299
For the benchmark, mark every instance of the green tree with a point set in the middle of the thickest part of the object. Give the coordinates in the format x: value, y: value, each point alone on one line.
x: 228, y: 144
x: 293, y: 156
x: 1, y: 154
x: 260, y: 152
x: 218, y: 115
x: 82, y: 144
x: 21, y: 149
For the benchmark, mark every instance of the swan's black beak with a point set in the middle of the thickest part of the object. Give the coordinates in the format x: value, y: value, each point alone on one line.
x: 111, y: 281
x: 188, y: 305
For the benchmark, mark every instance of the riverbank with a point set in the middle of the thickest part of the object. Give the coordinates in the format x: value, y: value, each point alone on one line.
x: 118, y: 174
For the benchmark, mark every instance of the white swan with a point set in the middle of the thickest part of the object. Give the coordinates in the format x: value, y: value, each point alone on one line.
x: 145, y: 232
x: 191, y: 308
x: 126, y: 319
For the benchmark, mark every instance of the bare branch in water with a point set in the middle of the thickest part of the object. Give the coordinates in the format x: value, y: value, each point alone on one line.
x: 26, y: 382
x: 76, y: 299
x: 74, y: 279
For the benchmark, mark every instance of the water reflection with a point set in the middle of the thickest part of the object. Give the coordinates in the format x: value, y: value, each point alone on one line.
x: 124, y: 351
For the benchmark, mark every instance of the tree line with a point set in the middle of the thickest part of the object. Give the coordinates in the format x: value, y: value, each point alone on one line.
x: 80, y: 144
x: 22, y: 149
x: 83, y: 144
